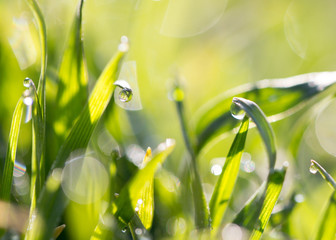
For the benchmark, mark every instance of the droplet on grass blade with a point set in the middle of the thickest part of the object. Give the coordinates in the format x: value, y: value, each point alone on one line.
x: 312, y: 168
x: 126, y: 94
x: 27, y: 82
x: 237, y: 112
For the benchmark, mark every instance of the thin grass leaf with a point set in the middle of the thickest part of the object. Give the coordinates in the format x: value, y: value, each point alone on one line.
x: 226, y: 182
x: 51, y: 205
x: 200, y: 204
x: 39, y: 129
x: 127, y: 203
x: 265, y: 129
x: 327, y: 229
x: 7, y: 175
x: 316, y: 167
x: 146, y: 201
x: 72, y: 86
x: 273, y: 189
x: 278, y: 98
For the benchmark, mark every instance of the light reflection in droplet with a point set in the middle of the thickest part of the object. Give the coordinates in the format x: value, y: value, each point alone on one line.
x: 237, y: 112
x: 312, y: 168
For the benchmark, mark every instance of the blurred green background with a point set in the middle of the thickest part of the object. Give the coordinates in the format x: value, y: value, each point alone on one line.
x: 215, y: 45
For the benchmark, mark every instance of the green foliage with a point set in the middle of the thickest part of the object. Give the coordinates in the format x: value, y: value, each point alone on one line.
x: 72, y: 114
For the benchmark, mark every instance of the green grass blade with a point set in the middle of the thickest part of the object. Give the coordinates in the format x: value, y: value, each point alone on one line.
x: 126, y: 204
x: 7, y: 175
x: 38, y: 145
x: 278, y: 98
x: 78, y: 138
x: 72, y: 90
x: 316, y: 167
x: 127, y: 201
x: 273, y: 189
x: 327, y: 229
x: 146, y: 204
x: 265, y: 129
x: 200, y: 204
x: 225, y: 184
x: 43, y: 41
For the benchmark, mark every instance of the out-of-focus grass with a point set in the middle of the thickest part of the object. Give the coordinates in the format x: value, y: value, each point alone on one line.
x: 230, y: 44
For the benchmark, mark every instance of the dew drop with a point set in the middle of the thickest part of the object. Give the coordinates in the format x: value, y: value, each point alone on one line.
x: 123, y: 46
x: 138, y: 231
x: 136, y: 209
x: 139, y: 201
x: 299, y: 198
x: 313, y: 168
x: 125, y: 95
x: 27, y: 82
x: 124, y: 230
x: 237, y: 112
x: 216, y: 169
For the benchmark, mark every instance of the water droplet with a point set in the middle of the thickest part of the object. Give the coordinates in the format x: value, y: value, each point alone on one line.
x: 299, y: 198
x: 216, y: 169
x: 136, y: 209
x: 139, y: 201
x: 237, y: 112
x: 177, y: 94
x: 138, y: 231
x: 125, y: 95
x: 27, y: 82
x: 124, y: 230
x: 123, y: 46
x: 313, y: 168
x: 28, y: 97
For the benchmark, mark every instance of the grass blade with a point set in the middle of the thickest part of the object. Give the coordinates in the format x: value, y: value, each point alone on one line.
x: 7, y: 175
x: 273, y: 189
x: 200, y: 204
x: 51, y: 205
x: 126, y: 205
x: 265, y: 129
x: 225, y: 184
x: 316, y: 167
x: 327, y: 229
x: 146, y: 200
x: 278, y: 98
x: 72, y: 91
x: 127, y: 201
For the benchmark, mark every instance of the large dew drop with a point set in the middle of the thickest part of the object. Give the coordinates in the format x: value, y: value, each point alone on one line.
x: 237, y: 112
x: 125, y: 95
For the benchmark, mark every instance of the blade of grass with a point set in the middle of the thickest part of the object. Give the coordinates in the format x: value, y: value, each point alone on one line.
x: 278, y: 98
x: 316, y: 167
x: 200, y: 204
x: 127, y: 201
x: 265, y: 129
x: 38, y: 145
x: 78, y: 138
x: 225, y: 184
x: 7, y: 175
x: 126, y: 204
x: 327, y: 229
x: 146, y: 200
x: 273, y: 189
x: 72, y: 87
